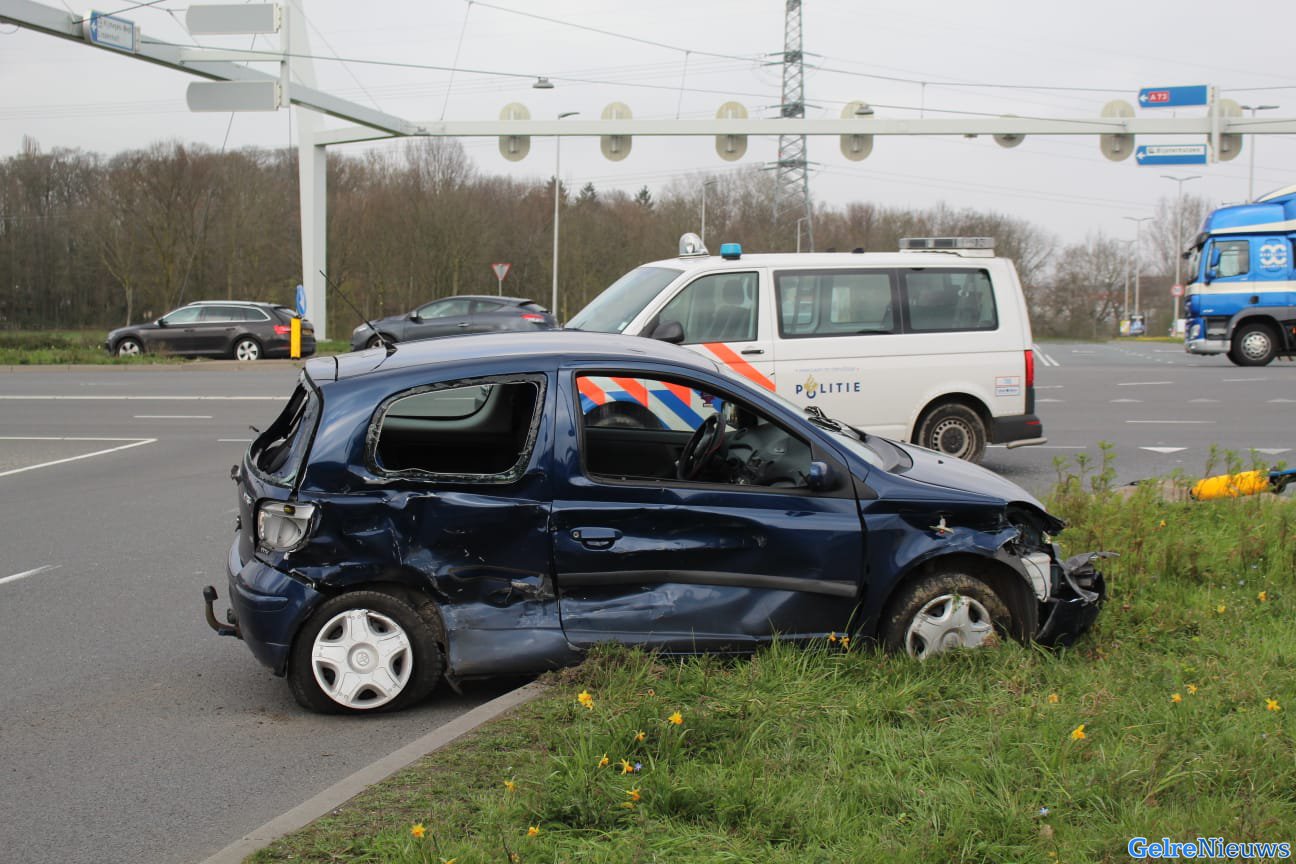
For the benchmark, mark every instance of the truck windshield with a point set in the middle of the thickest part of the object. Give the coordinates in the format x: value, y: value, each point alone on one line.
x: 625, y: 298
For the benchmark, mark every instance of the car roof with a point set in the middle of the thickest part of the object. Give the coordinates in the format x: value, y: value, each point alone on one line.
x: 235, y: 303
x: 492, y: 297
x: 802, y: 260
x: 541, y: 346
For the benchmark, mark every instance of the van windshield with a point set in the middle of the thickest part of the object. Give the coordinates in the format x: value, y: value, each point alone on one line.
x: 625, y: 298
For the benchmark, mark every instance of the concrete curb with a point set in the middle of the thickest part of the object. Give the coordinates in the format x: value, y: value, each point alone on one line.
x: 344, y: 790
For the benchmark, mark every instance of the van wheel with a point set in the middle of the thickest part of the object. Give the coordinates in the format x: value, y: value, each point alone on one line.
x: 955, y: 430
x: 363, y: 652
x: 1253, y: 345
x: 942, y: 612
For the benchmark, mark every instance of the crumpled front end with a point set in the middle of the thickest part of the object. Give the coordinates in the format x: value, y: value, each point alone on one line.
x: 1077, y: 594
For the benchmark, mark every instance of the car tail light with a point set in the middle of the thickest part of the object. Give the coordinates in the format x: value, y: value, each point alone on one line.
x: 1030, y: 368
x: 283, y: 527
x: 282, y: 329
x: 533, y: 318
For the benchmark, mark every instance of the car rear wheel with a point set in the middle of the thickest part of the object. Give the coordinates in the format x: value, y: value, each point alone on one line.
x: 129, y: 347
x: 1253, y: 345
x: 943, y: 612
x: 247, y: 348
x: 955, y: 430
x: 363, y: 652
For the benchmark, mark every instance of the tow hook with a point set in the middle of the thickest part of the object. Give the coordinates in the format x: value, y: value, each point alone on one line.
x: 230, y: 629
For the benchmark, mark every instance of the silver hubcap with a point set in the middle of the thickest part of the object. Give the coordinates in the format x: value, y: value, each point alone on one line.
x: 947, y: 622
x: 128, y: 349
x: 952, y: 437
x: 1256, y: 345
x: 247, y: 351
x: 362, y: 659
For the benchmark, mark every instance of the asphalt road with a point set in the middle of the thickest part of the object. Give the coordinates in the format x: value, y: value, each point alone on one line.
x: 130, y: 732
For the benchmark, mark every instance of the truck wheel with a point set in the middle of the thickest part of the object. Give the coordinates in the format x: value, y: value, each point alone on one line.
x: 1253, y: 345
x: 955, y: 430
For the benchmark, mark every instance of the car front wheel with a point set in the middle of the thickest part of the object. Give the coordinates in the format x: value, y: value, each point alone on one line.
x: 955, y: 430
x: 129, y: 347
x: 943, y: 612
x: 363, y: 652
x: 247, y: 348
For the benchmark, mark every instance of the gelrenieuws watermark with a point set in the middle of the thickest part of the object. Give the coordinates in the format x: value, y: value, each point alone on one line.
x: 1206, y: 848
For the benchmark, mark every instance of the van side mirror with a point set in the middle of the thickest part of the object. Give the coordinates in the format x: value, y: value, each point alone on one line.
x: 669, y: 331
x: 820, y: 477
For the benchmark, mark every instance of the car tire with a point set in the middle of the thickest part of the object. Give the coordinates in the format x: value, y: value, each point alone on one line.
x: 955, y: 430
x: 942, y: 612
x: 129, y: 347
x: 364, y: 652
x: 375, y: 341
x: 247, y: 348
x: 1253, y: 345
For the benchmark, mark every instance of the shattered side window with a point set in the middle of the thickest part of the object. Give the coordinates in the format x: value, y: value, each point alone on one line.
x: 279, y: 452
x: 459, y: 432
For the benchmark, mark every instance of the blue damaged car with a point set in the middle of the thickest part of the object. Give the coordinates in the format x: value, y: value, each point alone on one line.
x: 497, y: 504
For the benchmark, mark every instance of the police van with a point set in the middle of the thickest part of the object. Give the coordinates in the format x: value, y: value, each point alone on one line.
x: 930, y: 344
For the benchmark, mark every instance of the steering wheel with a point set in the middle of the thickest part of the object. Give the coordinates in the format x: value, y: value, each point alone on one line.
x: 707, y: 440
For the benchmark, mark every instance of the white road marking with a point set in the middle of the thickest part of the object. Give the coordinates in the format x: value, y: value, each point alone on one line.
x: 233, y: 440
x: 1178, y: 422
x: 1137, y: 401
x: 1141, y: 383
x: 1037, y: 447
x: 1044, y: 358
x: 1281, y: 401
x: 18, y: 397
x: 1083, y: 352
x: 173, y: 416
x: 1243, y: 380
x: 1165, y: 450
x: 1273, y: 451
x: 1050, y: 400
x: 57, y: 438
x: 23, y: 575
x: 1050, y: 386
x: 1202, y: 401
x: 138, y: 442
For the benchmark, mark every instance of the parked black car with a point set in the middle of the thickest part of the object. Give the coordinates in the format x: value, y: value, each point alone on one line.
x: 497, y: 504
x: 221, y: 328
x: 467, y: 313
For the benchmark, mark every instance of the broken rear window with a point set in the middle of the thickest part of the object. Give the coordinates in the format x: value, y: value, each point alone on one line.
x: 279, y: 452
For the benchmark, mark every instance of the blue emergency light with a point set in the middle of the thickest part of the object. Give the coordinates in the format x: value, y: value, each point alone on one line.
x: 731, y: 251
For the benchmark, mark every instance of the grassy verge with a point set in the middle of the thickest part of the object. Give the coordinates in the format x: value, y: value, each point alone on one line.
x: 67, y: 347
x: 1171, y: 719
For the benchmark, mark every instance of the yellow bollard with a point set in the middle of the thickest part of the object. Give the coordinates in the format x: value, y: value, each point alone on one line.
x: 294, y: 339
x: 1231, y: 485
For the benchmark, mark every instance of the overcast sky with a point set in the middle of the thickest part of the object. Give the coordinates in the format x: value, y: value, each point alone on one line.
x: 1040, y: 58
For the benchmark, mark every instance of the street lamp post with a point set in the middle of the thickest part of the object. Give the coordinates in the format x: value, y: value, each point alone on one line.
x: 1251, y: 173
x: 1138, y: 224
x: 705, y: 184
x: 798, y: 230
x: 557, y: 201
x: 1178, y: 247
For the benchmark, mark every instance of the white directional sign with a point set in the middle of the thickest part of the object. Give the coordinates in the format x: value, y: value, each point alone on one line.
x: 224, y: 19
x: 109, y: 32
x: 233, y: 96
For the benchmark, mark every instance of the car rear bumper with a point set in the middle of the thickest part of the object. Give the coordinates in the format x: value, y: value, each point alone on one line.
x: 1017, y: 428
x: 268, y: 606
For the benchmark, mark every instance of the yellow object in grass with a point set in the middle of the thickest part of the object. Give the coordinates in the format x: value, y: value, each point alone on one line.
x: 1231, y: 485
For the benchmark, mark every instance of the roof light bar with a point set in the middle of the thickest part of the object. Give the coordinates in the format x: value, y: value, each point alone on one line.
x: 947, y: 243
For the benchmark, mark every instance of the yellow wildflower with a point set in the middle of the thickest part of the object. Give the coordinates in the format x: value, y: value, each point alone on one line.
x: 634, y: 794
x: 832, y: 637
x: 449, y: 860
x: 1078, y: 733
x: 677, y: 719
x: 1262, y: 596
x: 533, y: 831
x: 626, y: 767
x: 845, y: 641
x: 586, y: 699
x: 603, y: 763
x: 510, y: 786
x: 1272, y: 705
x: 1162, y: 525
x: 514, y: 858
x: 1221, y: 608
x: 640, y: 735
x: 1192, y: 689
x: 418, y: 830
x: 1176, y: 698
x: 1052, y: 698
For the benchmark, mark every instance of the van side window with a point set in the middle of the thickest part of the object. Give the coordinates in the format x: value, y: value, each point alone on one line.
x: 943, y: 300
x: 464, y: 432
x: 834, y: 303
x: 716, y: 308
x: 1234, y: 257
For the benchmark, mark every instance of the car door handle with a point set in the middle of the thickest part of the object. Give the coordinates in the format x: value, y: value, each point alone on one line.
x: 753, y: 351
x: 596, y: 538
x: 462, y: 324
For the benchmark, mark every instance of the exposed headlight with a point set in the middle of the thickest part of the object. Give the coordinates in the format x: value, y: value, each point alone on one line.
x: 283, y: 527
x: 1194, y: 332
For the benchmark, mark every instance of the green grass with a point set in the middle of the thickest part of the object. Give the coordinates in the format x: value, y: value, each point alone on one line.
x: 832, y: 754
x: 67, y: 347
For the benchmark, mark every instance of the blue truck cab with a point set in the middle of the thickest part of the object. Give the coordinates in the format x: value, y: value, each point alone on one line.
x: 1241, y: 300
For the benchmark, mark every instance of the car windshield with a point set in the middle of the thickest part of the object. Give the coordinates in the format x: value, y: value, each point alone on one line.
x: 625, y: 298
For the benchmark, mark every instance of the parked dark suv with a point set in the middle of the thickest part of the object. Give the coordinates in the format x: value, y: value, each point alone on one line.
x: 450, y: 316
x: 221, y: 328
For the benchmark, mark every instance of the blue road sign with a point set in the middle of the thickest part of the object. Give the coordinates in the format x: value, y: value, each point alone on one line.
x: 301, y: 301
x: 108, y: 31
x: 1173, y: 97
x: 1171, y: 154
